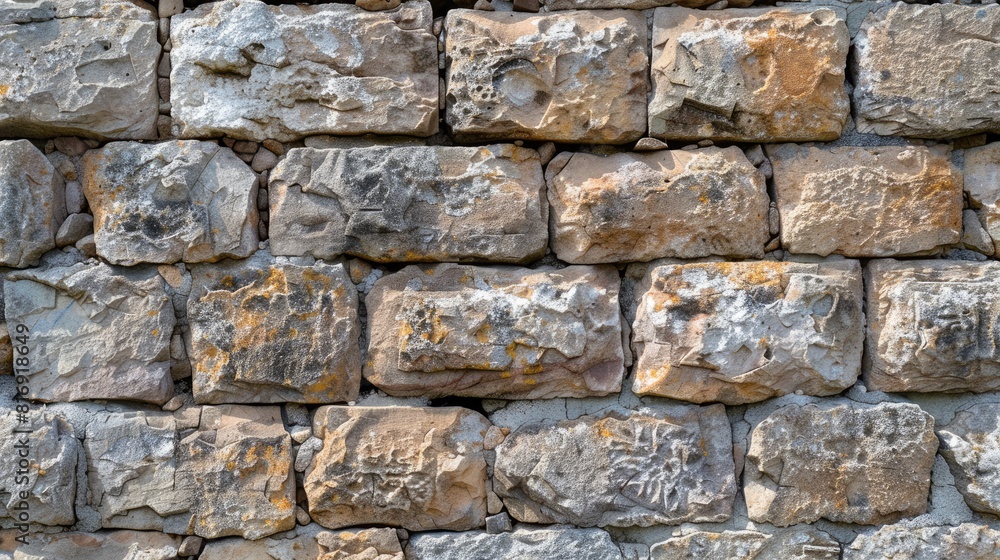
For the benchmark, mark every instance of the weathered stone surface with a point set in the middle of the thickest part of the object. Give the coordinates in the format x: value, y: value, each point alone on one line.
x: 932, y: 326
x: 789, y: 544
x: 416, y: 468
x: 95, y: 332
x: 32, y: 202
x: 554, y: 5
x: 643, y: 206
x: 6, y: 346
x: 771, y: 75
x: 577, y: 77
x: 982, y: 182
x: 928, y: 71
x: 745, y: 332
x: 669, y: 466
x: 251, y: 71
x: 551, y: 543
x: 898, y: 542
x: 81, y: 68
x: 266, y: 331
x: 486, y: 332
x: 844, y: 462
x: 867, y: 202
x: 110, y: 545
x: 310, y: 542
x: 176, y: 201
x: 410, y: 204
x: 971, y: 445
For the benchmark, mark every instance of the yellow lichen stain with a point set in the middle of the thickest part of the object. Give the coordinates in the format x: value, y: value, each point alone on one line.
x: 153, y: 312
x: 506, y: 375
x: 483, y: 334
x: 4, y: 88
x: 227, y: 282
x: 530, y: 381
x: 156, y: 332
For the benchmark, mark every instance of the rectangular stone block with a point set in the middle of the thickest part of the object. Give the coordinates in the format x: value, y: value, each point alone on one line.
x: 744, y: 332
x: 411, y: 467
x: 252, y: 71
x: 578, y: 77
x: 760, y: 75
x: 981, y: 171
x: 310, y: 542
x: 509, y: 333
x: 903, y: 541
x: 32, y: 204
x: 796, y: 543
x: 643, y: 206
x: 109, y: 545
x: 82, y: 68
x: 410, y: 203
x: 555, y: 543
x: 933, y: 326
x: 867, y: 202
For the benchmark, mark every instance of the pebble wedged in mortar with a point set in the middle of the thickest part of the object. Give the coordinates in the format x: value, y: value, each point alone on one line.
x: 967, y: 541
x: 550, y: 543
x: 795, y: 543
x: 496, y: 332
x: 410, y: 204
x: 971, y: 445
x: 32, y: 204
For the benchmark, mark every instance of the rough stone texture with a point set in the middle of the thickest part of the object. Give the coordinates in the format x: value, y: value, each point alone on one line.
x: 554, y: 5
x: 578, y: 77
x: 81, y: 68
x: 642, y: 206
x: 842, y: 461
x: 867, y: 202
x: 648, y: 467
x: 898, y: 542
x: 310, y: 542
x: 264, y: 331
x: 251, y: 71
x: 790, y: 544
x: 971, y: 445
x: 550, y: 543
x: 163, y: 203
x: 982, y: 183
x: 32, y: 201
x: 111, y: 545
x: 495, y: 332
x: 415, y: 468
x: 771, y: 75
x: 6, y: 346
x: 95, y: 331
x: 745, y: 332
x: 410, y: 204
x: 932, y: 326
x: 928, y: 71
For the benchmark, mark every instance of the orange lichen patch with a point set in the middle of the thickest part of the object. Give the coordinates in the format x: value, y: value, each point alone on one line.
x: 281, y: 502
x: 4, y: 88
x: 482, y: 334
x: 227, y: 282
x: 532, y: 369
x: 405, y: 330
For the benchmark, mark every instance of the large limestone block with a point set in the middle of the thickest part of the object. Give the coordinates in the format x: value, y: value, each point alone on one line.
x: 553, y: 5
x: 668, y: 466
x: 410, y: 204
x: 971, y: 445
x: 105, y: 545
x: 933, y: 326
x: 248, y: 70
x: 32, y: 202
x: 177, y: 201
x: 643, y: 206
x: 411, y: 467
x: 95, y: 332
x: 982, y: 183
x: 578, y: 77
x: 310, y: 542
x: 967, y: 541
x: 867, y: 202
x: 761, y: 75
x: 842, y: 461
x: 790, y: 544
x: 744, y: 332
x: 550, y: 543
x: 81, y: 68
x: 485, y: 332
x: 928, y: 71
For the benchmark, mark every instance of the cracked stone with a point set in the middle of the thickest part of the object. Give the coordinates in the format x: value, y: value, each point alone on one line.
x: 898, y: 542
x: 790, y: 544
x: 551, y: 543
x: 971, y: 445
x: 32, y: 201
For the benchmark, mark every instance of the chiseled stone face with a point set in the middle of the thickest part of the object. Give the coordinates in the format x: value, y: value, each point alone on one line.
x: 485, y: 332
x: 176, y: 201
x: 556, y: 543
x: 788, y: 544
x: 971, y: 445
x: 643, y: 206
x: 105, y: 545
x: 928, y: 71
x: 982, y: 181
x: 310, y: 542
x: 82, y: 68
x: 848, y: 463
x: 744, y: 332
x: 247, y: 70
x: 967, y: 541
x: 648, y: 467
x: 933, y: 326
x: 51, y: 480
x: 767, y: 75
x: 95, y: 332
x: 867, y: 202
x: 577, y: 77
x: 410, y: 204
x: 411, y: 467
x: 32, y: 203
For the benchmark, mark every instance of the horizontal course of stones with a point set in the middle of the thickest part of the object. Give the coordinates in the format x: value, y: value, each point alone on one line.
x: 566, y: 279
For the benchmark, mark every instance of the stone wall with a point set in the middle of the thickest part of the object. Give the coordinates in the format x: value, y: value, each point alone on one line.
x: 529, y: 279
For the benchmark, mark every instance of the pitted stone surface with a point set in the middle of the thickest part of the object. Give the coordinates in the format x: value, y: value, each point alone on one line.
x: 745, y: 332
x: 971, y: 445
x: 848, y: 463
x: 496, y: 332
x: 788, y: 544
x: 6, y: 344
x: 933, y: 325
x: 554, y: 5
x: 668, y: 466
x: 762, y: 75
x: 416, y: 468
x: 867, y: 202
x: 643, y: 206
x: 577, y: 77
x: 982, y: 183
x: 967, y: 541
x: 410, y: 204
x: 551, y: 543
x: 252, y: 71
x: 176, y: 201
x: 32, y: 202
x: 110, y: 545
